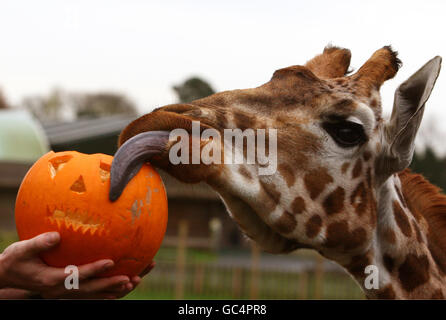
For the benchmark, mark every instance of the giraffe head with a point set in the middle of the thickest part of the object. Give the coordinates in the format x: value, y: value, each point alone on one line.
x: 334, y: 150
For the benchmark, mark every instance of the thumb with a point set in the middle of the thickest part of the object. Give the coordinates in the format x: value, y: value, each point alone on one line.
x: 42, y: 242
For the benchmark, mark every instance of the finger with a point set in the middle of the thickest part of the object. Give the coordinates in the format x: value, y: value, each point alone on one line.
x: 125, y: 290
x: 42, y: 242
x: 147, y: 269
x: 121, y: 289
x: 89, y: 270
x: 135, y: 280
x: 98, y: 285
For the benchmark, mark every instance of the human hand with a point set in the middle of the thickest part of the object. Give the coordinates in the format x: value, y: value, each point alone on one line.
x: 21, y: 268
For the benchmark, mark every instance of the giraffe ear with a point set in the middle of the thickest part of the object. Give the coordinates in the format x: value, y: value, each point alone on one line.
x: 408, y: 108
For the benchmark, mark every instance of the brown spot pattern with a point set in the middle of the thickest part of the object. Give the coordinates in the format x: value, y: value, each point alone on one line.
x: 334, y: 202
x: 437, y: 295
x: 286, y: 223
x: 243, y: 120
x: 357, y: 169
x: 271, y: 190
x: 316, y: 180
x: 400, y: 196
x: 298, y: 205
x: 413, y: 272
x: 437, y: 253
x: 313, y: 226
x: 386, y: 293
x: 344, y: 167
x: 244, y: 172
x: 401, y: 219
x: 417, y: 232
x: 389, y: 262
x: 367, y: 155
x: 389, y: 236
x: 287, y: 173
x: 359, y: 199
x: 339, y: 235
x: 357, y: 265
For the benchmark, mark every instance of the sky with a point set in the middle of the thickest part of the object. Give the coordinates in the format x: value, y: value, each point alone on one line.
x: 143, y: 48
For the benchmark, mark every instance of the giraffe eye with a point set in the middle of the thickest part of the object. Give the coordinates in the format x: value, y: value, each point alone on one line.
x: 345, y: 133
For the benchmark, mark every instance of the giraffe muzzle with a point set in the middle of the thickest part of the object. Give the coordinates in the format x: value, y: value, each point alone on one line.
x: 131, y: 156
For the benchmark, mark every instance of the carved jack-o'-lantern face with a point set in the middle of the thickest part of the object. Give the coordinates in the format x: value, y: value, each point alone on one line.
x: 68, y: 192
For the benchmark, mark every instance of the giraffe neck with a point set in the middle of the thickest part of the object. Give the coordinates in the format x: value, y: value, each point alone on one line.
x: 403, y: 249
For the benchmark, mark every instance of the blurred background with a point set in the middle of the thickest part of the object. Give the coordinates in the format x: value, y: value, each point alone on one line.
x: 74, y: 74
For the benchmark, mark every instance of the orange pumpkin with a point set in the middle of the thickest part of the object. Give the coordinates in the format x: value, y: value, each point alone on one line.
x: 68, y: 192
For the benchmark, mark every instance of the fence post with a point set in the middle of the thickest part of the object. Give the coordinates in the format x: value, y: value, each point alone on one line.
x: 236, y: 282
x: 255, y: 260
x: 319, y: 277
x: 199, y: 275
x: 303, y: 280
x: 181, y: 259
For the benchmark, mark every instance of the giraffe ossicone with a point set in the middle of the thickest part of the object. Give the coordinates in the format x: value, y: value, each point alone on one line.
x: 341, y: 185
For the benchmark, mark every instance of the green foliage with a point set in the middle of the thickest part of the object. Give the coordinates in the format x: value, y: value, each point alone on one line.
x: 46, y: 108
x: 193, y: 89
x: 212, y: 281
x: 102, y: 104
x: 59, y: 103
x: 7, y: 238
x: 431, y: 166
x: 196, y: 255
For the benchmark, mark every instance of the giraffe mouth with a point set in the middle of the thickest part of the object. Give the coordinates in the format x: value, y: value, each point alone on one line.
x: 147, y: 139
x: 130, y: 157
x: 144, y: 146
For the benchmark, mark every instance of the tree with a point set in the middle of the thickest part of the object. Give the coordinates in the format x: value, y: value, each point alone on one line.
x: 47, y: 108
x: 60, y: 104
x: 101, y: 104
x: 3, y: 103
x: 192, y: 89
x: 431, y: 166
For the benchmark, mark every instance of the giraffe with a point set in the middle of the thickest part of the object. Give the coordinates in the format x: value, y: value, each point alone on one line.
x: 342, y: 186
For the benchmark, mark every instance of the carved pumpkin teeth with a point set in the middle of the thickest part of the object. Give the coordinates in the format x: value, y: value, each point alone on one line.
x: 68, y: 193
x: 78, y: 222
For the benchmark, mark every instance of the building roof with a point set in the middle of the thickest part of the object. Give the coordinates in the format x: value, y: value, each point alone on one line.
x: 85, y: 129
x: 67, y: 135
x: 22, y: 139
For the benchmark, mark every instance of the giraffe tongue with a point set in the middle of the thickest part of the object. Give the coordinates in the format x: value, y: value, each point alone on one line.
x: 131, y: 156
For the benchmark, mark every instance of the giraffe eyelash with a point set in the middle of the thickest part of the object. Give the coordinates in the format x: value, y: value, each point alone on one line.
x: 346, y: 134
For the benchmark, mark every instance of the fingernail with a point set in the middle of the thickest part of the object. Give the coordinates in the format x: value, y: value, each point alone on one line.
x: 108, y: 265
x: 52, y: 237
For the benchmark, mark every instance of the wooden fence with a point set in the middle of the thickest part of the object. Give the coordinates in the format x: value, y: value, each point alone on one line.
x: 183, y: 278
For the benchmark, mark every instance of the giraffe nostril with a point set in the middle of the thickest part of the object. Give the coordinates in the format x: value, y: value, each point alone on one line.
x: 193, y: 113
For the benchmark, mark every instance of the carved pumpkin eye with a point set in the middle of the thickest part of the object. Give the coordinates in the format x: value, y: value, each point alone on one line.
x: 56, y: 164
x: 104, y: 171
x: 68, y: 192
x: 346, y: 134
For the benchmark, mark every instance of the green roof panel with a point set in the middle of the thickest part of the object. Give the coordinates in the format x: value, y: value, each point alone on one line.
x: 21, y: 137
